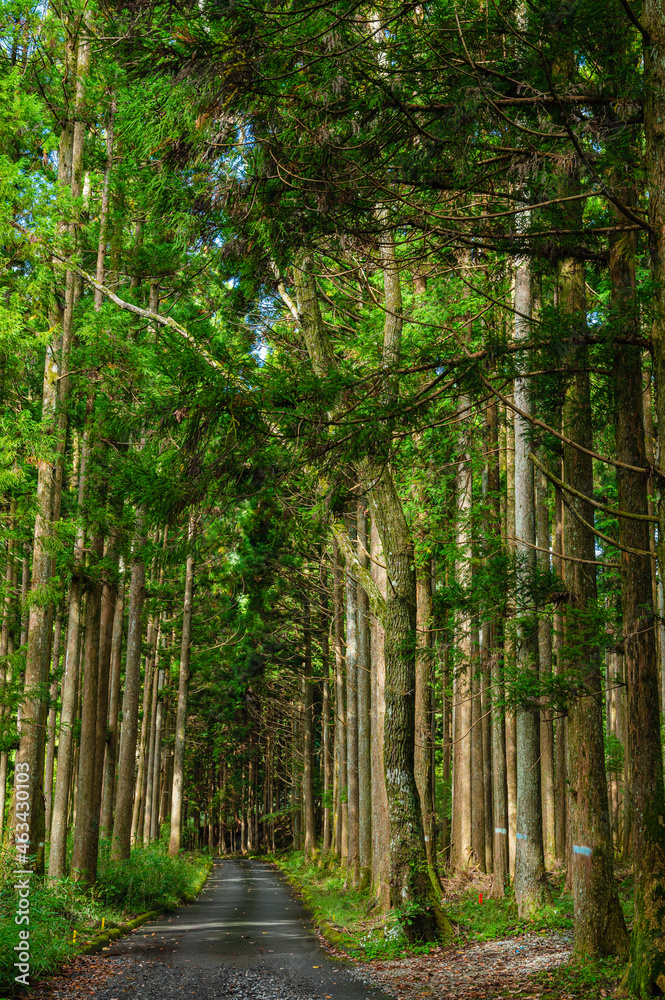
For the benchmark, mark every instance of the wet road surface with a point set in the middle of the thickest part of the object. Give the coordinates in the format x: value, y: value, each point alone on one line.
x: 246, y: 936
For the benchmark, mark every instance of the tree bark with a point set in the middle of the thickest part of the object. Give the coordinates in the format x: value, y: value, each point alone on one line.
x: 181, y: 716
x: 645, y: 796
x: 510, y: 717
x: 310, y: 846
x: 477, y: 763
x: 462, y: 846
x: 380, y: 823
x: 424, y: 687
x: 531, y: 888
x: 545, y: 659
x: 144, y: 832
x: 124, y: 794
x: 6, y: 648
x: 326, y: 749
x: 494, y: 650
x: 52, y: 714
x: 364, y: 708
x: 599, y: 923
x: 353, y: 859
x: 70, y: 683
x: 341, y: 806
x: 153, y: 831
x: 106, y: 822
x: 84, y: 853
x: 560, y: 786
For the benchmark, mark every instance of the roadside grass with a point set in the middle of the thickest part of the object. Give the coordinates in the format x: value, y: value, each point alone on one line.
x: 64, y: 917
x: 150, y: 879
x: 348, y: 917
x: 350, y: 921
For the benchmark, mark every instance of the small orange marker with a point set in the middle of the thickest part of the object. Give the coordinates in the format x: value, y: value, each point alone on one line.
x: 480, y: 899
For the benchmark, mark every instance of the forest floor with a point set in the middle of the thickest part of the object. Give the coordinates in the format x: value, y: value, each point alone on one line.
x: 528, y: 967
x: 494, y: 954
x: 248, y: 937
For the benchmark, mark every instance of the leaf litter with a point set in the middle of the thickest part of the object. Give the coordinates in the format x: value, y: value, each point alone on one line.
x: 476, y: 971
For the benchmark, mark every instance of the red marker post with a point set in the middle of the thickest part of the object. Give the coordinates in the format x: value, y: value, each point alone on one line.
x: 480, y: 899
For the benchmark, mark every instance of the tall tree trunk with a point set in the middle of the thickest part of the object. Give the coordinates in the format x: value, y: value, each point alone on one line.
x: 6, y: 647
x: 410, y: 883
x: 109, y: 599
x: 531, y: 888
x: 644, y: 765
x: 153, y: 831
x: 380, y: 823
x: 485, y: 725
x: 424, y: 688
x: 308, y: 739
x: 52, y: 713
x: 144, y: 736
x: 106, y: 821
x: 477, y: 763
x: 181, y: 716
x: 545, y: 658
x: 353, y: 860
x: 144, y: 832
x: 599, y: 923
x: 462, y: 847
x: 560, y: 793
x: 364, y: 707
x: 138, y: 799
x: 341, y: 807
x: 494, y: 650
x: 446, y: 736
x: 70, y: 682
x: 84, y: 854
x: 326, y: 734
x: 124, y: 793
x: 511, y: 718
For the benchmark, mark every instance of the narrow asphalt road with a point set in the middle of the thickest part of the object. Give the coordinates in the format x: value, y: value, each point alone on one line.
x: 246, y: 936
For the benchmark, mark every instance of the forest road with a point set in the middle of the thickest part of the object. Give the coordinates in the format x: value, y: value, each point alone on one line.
x: 246, y: 936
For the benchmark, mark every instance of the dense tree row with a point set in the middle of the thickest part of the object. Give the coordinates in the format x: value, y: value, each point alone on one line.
x: 332, y: 375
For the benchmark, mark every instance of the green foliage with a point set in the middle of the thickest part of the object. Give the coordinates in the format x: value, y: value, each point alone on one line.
x: 56, y: 911
x: 349, y: 918
x: 149, y: 880
x: 615, y: 755
x: 345, y: 914
x: 497, y: 918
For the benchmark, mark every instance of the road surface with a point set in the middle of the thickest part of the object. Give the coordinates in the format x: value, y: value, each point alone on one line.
x: 246, y: 937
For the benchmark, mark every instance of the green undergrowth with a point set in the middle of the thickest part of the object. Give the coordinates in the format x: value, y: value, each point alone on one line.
x: 351, y: 921
x: 64, y: 918
x: 349, y: 918
x: 150, y: 879
x: 497, y: 918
